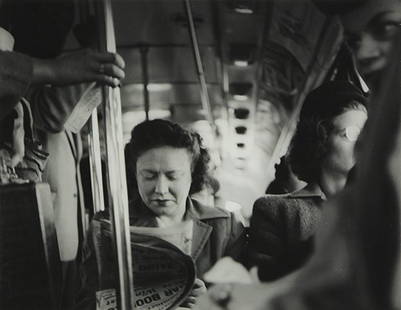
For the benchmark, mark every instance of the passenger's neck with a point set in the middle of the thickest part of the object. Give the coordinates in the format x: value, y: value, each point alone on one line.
x: 331, y: 184
x: 170, y: 220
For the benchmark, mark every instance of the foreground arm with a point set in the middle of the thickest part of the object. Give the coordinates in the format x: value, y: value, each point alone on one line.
x: 53, y: 104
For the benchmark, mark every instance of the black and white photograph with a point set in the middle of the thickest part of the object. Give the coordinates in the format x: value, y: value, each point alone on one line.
x: 200, y: 154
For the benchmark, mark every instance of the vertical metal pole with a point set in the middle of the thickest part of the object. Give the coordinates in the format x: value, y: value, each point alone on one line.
x: 116, y: 172
x: 199, y: 66
x: 95, y: 163
x: 145, y: 78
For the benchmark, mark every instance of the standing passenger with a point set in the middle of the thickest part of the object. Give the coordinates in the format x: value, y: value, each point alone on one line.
x: 370, y: 30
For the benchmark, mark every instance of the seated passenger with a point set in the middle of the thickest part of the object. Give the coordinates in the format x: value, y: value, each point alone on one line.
x: 165, y: 164
x: 282, y: 227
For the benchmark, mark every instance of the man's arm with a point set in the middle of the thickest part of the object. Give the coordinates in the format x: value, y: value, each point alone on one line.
x: 79, y: 67
x: 18, y: 72
x: 52, y: 104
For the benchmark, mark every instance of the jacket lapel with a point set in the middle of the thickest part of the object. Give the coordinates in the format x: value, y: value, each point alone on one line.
x: 195, y: 212
x: 201, y: 232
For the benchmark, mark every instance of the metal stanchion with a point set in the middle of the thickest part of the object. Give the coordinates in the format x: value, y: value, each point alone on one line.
x: 95, y: 163
x: 199, y: 66
x: 116, y: 170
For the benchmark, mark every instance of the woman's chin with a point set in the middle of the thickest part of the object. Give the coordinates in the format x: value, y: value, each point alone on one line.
x: 163, y: 208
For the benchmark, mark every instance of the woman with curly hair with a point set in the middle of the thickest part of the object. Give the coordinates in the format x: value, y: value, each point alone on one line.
x: 162, y: 136
x: 165, y: 164
x: 282, y: 227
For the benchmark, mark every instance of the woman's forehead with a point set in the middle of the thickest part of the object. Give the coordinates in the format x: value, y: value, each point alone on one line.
x: 165, y: 157
x: 357, y: 19
x: 352, y: 117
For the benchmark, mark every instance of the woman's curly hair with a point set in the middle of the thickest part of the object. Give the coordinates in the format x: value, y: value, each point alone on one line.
x: 158, y: 133
x: 309, y: 145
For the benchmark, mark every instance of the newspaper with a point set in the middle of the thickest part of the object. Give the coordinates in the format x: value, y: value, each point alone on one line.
x: 180, y: 235
x: 163, y: 274
x: 91, y: 98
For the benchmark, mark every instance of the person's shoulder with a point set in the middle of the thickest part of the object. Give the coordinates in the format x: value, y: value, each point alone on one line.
x: 224, y: 222
x: 283, y: 207
x: 272, y: 202
x: 301, y: 200
x: 204, y: 212
x: 272, y: 198
x: 289, y: 210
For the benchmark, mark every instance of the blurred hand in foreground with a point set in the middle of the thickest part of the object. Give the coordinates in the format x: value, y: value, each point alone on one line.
x: 79, y: 67
x: 198, y: 289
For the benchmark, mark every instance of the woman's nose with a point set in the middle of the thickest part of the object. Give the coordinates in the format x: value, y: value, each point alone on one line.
x: 368, y: 47
x: 161, y: 185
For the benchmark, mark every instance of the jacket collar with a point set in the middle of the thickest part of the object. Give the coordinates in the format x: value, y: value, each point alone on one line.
x: 311, y: 190
x: 195, y: 211
x: 142, y: 216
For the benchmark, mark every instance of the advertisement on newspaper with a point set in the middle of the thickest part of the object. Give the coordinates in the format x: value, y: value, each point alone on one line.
x: 163, y: 273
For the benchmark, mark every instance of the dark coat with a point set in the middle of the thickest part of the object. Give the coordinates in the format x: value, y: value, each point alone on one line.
x: 282, y: 228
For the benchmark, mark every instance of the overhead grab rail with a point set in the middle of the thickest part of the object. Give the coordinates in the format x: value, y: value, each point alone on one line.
x: 117, y: 184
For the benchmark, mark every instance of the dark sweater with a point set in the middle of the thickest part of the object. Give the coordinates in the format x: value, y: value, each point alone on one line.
x: 282, y: 229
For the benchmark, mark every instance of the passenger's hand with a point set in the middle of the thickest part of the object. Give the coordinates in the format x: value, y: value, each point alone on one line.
x: 78, y: 67
x: 198, y: 289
